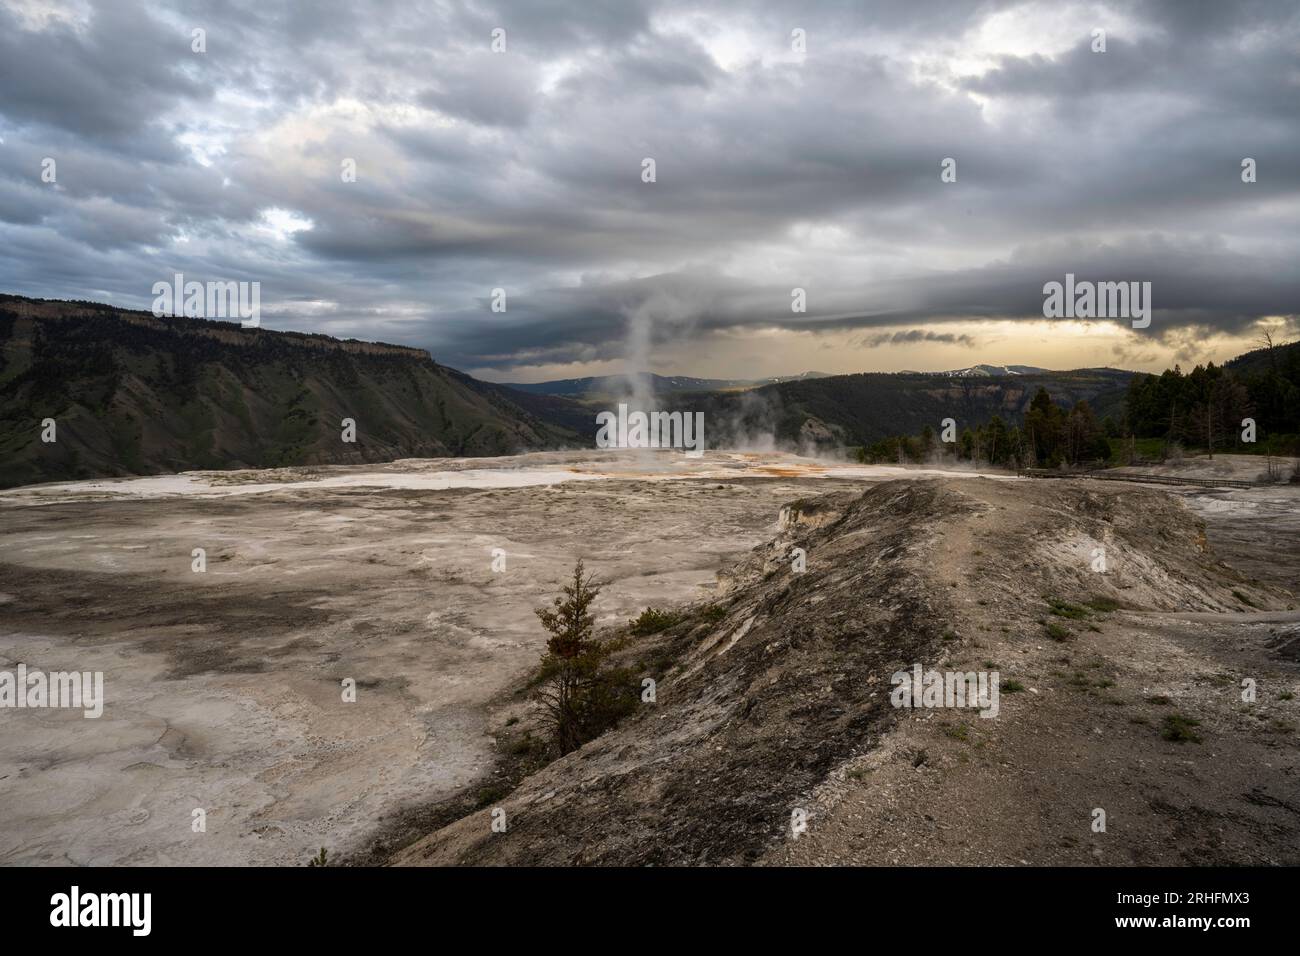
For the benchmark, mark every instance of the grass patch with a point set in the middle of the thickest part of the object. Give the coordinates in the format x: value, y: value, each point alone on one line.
x: 1082, y: 680
x: 525, y: 745
x: 1160, y: 700
x: 652, y: 621
x: 1103, y: 605
x: 1286, y: 695
x: 1151, y: 449
x: 1056, y: 632
x: 1011, y: 687
x: 713, y: 613
x: 1065, y: 609
x: 658, y: 662
x: 1180, y: 729
x: 957, y: 731
x: 490, y: 794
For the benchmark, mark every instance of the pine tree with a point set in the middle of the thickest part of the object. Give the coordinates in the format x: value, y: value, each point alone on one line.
x: 580, y: 698
x: 568, y: 659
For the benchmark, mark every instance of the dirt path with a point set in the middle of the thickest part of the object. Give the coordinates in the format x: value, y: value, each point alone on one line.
x: 1085, y: 733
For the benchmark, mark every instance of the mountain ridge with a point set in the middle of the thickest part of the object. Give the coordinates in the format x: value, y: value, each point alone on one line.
x: 132, y: 393
x: 604, y: 386
x: 986, y: 370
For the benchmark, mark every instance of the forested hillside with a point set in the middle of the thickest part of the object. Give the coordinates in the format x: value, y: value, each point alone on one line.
x: 131, y: 393
x: 1204, y: 408
x: 860, y: 410
x: 1155, y: 416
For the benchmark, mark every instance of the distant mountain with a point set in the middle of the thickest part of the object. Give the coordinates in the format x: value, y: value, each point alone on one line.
x: 801, y: 377
x: 864, y: 408
x: 133, y: 394
x: 613, y: 386
x: 603, y: 386
x: 985, y: 371
x: 817, y: 410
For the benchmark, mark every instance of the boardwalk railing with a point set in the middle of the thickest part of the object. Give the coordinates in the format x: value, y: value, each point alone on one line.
x: 1103, y: 475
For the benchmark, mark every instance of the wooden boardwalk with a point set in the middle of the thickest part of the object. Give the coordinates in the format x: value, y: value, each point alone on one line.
x: 1103, y: 475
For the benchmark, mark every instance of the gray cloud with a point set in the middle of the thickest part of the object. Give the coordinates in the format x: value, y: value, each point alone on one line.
x: 912, y: 336
x: 106, y: 84
x: 522, y: 170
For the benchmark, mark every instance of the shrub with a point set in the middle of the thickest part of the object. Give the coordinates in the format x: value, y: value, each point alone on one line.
x: 713, y: 613
x: 1180, y: 729
x: 1065, y: 609
x: 652, y: 621
x: 524, y: 745
x: 493, y: 793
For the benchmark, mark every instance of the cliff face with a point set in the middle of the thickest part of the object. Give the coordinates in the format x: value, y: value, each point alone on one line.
x: 132, y: 393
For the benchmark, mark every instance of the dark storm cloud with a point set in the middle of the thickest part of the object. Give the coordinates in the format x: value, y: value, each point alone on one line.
x: 105, y: 84
x: 522, y: 170
x: 913, y: 336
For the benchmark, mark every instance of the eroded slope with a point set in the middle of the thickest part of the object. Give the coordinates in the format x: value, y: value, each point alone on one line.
x: 783, y: 702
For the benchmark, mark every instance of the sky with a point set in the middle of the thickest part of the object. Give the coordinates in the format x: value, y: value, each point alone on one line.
x: 795, y: 146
